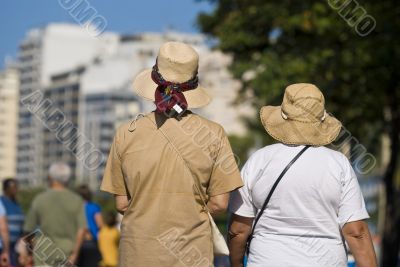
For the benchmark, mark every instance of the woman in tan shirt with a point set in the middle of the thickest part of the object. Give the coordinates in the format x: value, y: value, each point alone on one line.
x: 156, y: 162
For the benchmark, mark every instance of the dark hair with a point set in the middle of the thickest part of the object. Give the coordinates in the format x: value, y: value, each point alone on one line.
x: 84, y: 192
x: 8, y: 182
x: 110, y: 218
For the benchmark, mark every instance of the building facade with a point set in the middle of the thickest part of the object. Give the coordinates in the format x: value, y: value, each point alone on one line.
x: 9, y: 92
x: 45, y: 52
x: 89, y: 80
x: 63, y: 94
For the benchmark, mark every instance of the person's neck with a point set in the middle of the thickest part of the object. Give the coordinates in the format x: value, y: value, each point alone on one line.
x: 57, y: 186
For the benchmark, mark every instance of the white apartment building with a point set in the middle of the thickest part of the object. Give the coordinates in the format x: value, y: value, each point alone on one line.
x: 64, y: 92
x: 9, y: 87
x: 44, y: 52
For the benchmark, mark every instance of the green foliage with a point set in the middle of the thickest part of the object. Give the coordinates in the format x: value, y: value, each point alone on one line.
x: 357, y: 74
x: 240, y: 146
x: 106, y: 201
x: 283, y: 42
x: 25, y: 197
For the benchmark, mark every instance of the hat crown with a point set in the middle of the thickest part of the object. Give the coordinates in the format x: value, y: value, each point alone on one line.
x: 177, y: 62
x: 303, y: 102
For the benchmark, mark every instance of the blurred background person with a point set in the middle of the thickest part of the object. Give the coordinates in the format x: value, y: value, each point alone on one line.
x: 108, y: 241
x: 15, y: 215
x: 90, y: 254
x: 25, y: 258
x: 52, y: 51
x: 5, y: 239
x: 59, y: 214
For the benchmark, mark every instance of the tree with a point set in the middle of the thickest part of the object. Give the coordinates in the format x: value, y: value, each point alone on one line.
x: 349, y: 49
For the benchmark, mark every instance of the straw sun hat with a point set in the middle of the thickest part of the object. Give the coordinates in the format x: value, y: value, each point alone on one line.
x: 177, y: 63
x: 302, y: 118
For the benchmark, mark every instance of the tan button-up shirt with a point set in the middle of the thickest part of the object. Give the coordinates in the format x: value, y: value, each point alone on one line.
x: 165, y: 224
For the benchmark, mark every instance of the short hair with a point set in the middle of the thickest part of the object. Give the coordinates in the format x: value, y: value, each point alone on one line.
x: 8, y: 182
x: 110, y: 218
x: 84, y: 192
x: 60, y: 172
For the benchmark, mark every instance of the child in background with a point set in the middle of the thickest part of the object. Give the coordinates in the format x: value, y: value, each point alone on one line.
x: 25, y: 258
x: 108, y: 240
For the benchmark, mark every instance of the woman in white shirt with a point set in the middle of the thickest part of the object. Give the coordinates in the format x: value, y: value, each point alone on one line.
x: 317, y: 201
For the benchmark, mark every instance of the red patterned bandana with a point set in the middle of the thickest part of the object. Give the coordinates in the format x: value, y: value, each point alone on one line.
x: 169, y: 96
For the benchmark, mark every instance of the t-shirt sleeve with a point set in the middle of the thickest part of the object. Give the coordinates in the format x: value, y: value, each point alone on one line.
x: 96, y: 209
x: 241, y: 202
x: 352, y: 205
x: 225, y: 176
x: 2, y: 209
x: 113, y: 179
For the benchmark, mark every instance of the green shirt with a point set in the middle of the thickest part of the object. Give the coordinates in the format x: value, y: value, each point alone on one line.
x: 58, y: 214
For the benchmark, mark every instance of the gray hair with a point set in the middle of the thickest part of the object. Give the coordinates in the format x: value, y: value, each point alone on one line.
x: 60, y: 172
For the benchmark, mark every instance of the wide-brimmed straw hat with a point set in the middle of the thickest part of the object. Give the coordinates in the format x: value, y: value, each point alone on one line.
x: 302, y: 118
x: 177, y: 63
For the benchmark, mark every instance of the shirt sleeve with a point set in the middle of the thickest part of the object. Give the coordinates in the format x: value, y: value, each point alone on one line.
x: 225, y: 176
x: 352, y: 205
x: 2, y: 209
x: 113, y: 179
x: 97, y: 209
x: 241, y: 202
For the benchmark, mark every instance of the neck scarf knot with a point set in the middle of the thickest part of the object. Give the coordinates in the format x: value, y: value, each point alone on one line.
x: 169, y: 94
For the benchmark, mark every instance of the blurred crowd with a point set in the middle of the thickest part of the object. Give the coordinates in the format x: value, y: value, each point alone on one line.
x: 63, y: 227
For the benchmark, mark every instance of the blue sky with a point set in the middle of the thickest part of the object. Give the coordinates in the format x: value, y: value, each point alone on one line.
x: 124, y: 16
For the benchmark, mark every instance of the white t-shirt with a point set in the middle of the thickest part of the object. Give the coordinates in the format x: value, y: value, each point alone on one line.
x: 301, y: 224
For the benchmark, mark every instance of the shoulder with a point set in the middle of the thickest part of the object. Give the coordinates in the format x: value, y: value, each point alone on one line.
x: 40, y: 198
x: 270, y: 149
x: 331, y: 152
x: 199, y: 123
x: 3, y: 200
x: 333, y: 156
x: 74, y: 197
x: 265, y: 153
x: 94, y: 207
x: 334, y: 160
x: 258, y: 160
x: 2, y: 208
x: 205, y: 122
x: 128, y: 127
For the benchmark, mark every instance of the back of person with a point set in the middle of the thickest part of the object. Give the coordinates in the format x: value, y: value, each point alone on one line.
x: 15, y: 219
x: 161, y: 190
x: 299, y: 197
x: 91, y: 209
x: 59, y: 214
x: 108, y: 244
x: 319, y: 193
x: 160, y: 166
x: 108, y: 241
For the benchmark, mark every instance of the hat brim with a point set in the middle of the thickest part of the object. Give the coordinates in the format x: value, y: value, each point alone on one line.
x: 299, y: 133
x: 144, y: 86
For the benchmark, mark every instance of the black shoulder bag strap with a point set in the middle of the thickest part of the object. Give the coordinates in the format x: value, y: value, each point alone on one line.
x: 264, y: 206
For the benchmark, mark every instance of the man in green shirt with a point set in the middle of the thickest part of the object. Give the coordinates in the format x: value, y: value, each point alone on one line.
x: 56, y: 221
